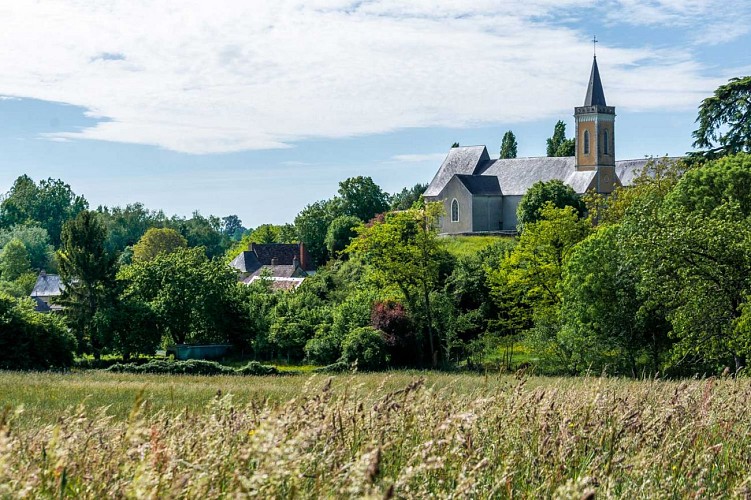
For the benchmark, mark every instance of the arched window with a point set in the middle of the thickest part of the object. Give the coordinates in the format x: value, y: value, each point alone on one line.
x: 605, y: 142
x: 586, y: 142
x: 454, y: 211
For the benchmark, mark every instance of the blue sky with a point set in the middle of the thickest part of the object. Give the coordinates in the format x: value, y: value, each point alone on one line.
x: 259, y: 108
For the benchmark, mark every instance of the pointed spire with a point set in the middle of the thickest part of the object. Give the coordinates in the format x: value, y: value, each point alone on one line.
x: 595, y: 94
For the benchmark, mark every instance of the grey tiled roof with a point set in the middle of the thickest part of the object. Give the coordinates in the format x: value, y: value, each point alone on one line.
x: 47, y: 285
x: 284, y: 253
x: 278, y: 271
x: 246, y: 262
x: 516, y: 175
x: 461, y: 160
x: 595, y: 94
x: 628, y: 170
x: 482, y: 185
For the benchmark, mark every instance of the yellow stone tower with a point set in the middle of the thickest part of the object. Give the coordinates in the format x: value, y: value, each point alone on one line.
x: 595, y: 134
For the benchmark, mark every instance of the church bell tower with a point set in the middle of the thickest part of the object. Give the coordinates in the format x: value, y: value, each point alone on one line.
x: 595, y: 134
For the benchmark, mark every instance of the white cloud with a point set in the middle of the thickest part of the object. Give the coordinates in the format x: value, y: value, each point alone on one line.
x: 210, y: 77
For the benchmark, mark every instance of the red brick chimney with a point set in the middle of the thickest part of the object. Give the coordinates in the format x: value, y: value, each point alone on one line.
x: 303, y: 259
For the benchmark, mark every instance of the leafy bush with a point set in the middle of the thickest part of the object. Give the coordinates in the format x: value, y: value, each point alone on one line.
x: 325, y: 347
x: 366, y: 346
x: 30, y: 340
x: 91, y: 363
x: 340, y: 233
x: 256, y: 368
x: 540, y: 194
x: 192, y: 367
x: 189, y: 367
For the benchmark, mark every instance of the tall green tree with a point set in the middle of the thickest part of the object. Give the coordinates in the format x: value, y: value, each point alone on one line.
x: 157, y: 241
x: 402, y: 252
x: 87, y: 272
x: 312, y: 224
x: 508, y: 145
x: 16, y: 276
x: 540, y: 195
x: 203, y: 232
x: 14, y: 260
x: 694, y: 247
x: 533, y: 272
x: 49, y: 204
x: 605, y: 321
x: 126, y: 225
x: 190, y: 295
x: 407, y: 197
x: 37, y: 243
x: 265, y: 233
x: 558, y: 145
x: 725, y: 120
x: 362, y: 198
x: 232, y: 227
x: 340, y: 233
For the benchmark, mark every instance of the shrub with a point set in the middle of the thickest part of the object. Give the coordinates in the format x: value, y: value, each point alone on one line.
x: 30, y: 340
x: 340, y: 233
x: 159, y: 366
x: 256, y: 368
x: 91, y: 363
x: 325, y: 347
x: 366, y: 346
x: 192, y: 367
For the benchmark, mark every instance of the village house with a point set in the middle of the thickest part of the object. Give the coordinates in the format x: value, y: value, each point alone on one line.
x: 285, y: 265
x: 47, y: 287
x: 481, y: 195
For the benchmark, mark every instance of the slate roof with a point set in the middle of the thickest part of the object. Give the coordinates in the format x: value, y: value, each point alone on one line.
x: 284, y: 253
x: 480, y: 185
x: 595, y: 94
x: 514, y: 176
x: 628, y: 170
x: 47, y: 285
x: 278, y: 271
x: 461, y: 160
x: 246, y: 262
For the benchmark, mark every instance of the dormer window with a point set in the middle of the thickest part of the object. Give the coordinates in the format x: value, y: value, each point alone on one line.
x: 586, y: 142
x: 454, y: 211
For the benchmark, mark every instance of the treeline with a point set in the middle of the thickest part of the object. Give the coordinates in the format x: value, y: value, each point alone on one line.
x: 654, y: 278
x: 136, y: 279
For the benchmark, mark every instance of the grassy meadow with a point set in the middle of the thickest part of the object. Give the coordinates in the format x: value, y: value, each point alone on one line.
x: 461, y: 246
x: 400, y: 435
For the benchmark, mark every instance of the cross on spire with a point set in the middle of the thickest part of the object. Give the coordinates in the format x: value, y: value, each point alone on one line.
x: 594, y: 45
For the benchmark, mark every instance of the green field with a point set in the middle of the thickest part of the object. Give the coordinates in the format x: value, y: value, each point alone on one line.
x: 401, y: 435
x: 460, y: 246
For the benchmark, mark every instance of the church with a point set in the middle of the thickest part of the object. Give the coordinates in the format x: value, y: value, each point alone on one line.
x: 481, y: 195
